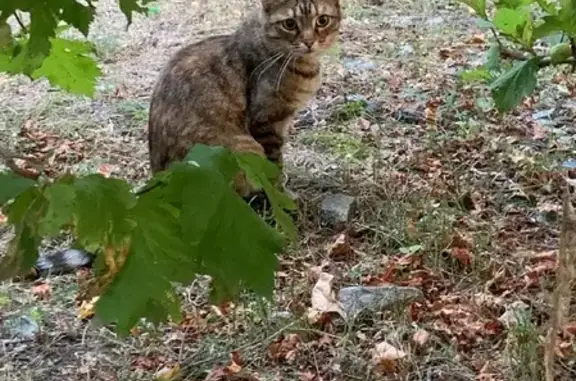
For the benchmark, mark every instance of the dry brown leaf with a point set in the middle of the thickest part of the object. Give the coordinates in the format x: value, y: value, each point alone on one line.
x: 323, y: 299
x: 340, y: 250
x: 462, y: 255
x: 42, y: 290
x: 106, y: 169
x: 286, y: 348
x: 421, y: 337
x: 386, y: 357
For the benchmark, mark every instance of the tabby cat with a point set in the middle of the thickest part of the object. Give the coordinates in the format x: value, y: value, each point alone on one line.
x: 240, y: 91
x: 243, y: 90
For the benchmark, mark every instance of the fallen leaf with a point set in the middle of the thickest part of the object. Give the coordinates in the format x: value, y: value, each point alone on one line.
x: 462, y: 255
x: 168, y: 373
x: 421, y: 337
x: 286, y: 348
x: 340, y: 250
x: 307, y: 376
x: 42, y: 290
x: 386, y: 356
x: 106, y: 169
x: 86, y: 309
x: 323, y: 299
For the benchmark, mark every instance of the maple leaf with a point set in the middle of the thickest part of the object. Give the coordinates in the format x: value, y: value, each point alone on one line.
x: 22, y: 250
x: 69, y: 66
x: 78, y: 15
x: 101, y: 211
x: 261, y: 173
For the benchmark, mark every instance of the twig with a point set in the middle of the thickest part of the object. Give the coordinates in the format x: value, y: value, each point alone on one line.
x: 22, y: 26
x: 565, y: 276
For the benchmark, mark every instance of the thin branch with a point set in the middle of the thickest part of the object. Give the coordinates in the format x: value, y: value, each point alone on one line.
x: 21, y: 23
x: 544, y: 61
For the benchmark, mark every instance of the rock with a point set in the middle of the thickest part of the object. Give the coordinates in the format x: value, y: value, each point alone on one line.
x: 358, y: 64
x: 22, y: 327
x: 336, y: 209
x: 64, y: 261
x: 357, y: 298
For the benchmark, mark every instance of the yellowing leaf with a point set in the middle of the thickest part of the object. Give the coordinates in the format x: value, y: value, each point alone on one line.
x: 168, y: 373
x: 86, y: 309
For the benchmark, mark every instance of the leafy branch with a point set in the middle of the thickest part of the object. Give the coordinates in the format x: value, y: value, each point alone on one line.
x: 189, y: 221
x: 38, y: 50
x: 521, y: 24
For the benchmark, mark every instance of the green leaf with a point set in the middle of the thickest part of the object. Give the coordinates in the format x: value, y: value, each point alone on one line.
x: 205, y: 229
x: 261, y: 173
x: 480, y: 74
x: 69, y: 67
x: 130, y: 6
x: 242, y: 260
x: 11, y: 185
x: 22, y: 251
x: 78, y: 15
x: 547, y: 6
x: 493, y: 57
x: 43, y: 23
x: 513, y: 4
x: 61, y: 199
x: 510, y: 21
x: 511, y: 87
x: 101, y: 211
x: 6, y: 40
x: 479, y: 6
x: 156, y: 257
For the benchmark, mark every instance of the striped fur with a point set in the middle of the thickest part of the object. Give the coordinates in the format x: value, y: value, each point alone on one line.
x: 243, y: 90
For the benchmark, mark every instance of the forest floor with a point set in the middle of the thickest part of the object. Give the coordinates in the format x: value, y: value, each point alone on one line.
x: 463, y: 203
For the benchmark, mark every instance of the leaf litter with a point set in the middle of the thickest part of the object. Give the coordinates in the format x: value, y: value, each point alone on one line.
x: 454, y: 200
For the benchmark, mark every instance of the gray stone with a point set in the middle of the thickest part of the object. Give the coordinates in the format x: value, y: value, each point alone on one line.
x: 377, y: 298
x: 22, y: 327
x: 336, y: 209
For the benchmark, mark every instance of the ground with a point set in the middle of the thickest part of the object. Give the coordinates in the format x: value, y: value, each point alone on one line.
x: 453, y: 198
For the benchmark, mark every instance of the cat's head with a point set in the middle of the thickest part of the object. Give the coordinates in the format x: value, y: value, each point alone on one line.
x: 301, y: 26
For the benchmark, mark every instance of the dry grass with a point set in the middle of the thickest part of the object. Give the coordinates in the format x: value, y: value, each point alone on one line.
x: 478, y: 184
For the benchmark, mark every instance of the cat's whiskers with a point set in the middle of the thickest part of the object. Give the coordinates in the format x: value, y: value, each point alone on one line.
x: 267, y: 63
x: 283, y: 69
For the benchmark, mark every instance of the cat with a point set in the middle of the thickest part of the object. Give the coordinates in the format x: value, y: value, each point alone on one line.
x: 242, y: 90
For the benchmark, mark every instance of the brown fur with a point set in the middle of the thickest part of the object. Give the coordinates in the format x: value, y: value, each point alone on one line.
x: 242, y: 90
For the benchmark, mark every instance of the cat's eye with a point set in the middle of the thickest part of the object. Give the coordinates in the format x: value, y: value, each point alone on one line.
x: 322, y: 21
x: 289, y: 24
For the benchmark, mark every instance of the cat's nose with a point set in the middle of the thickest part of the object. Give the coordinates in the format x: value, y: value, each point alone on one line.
x: 309, y: 45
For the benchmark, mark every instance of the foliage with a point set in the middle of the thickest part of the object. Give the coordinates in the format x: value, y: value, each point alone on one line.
x: 518, y: 26
x: 187, y: 220
x: 36, y: 50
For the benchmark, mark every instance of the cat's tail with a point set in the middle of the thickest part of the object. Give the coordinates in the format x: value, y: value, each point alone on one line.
x: 62, y: 262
